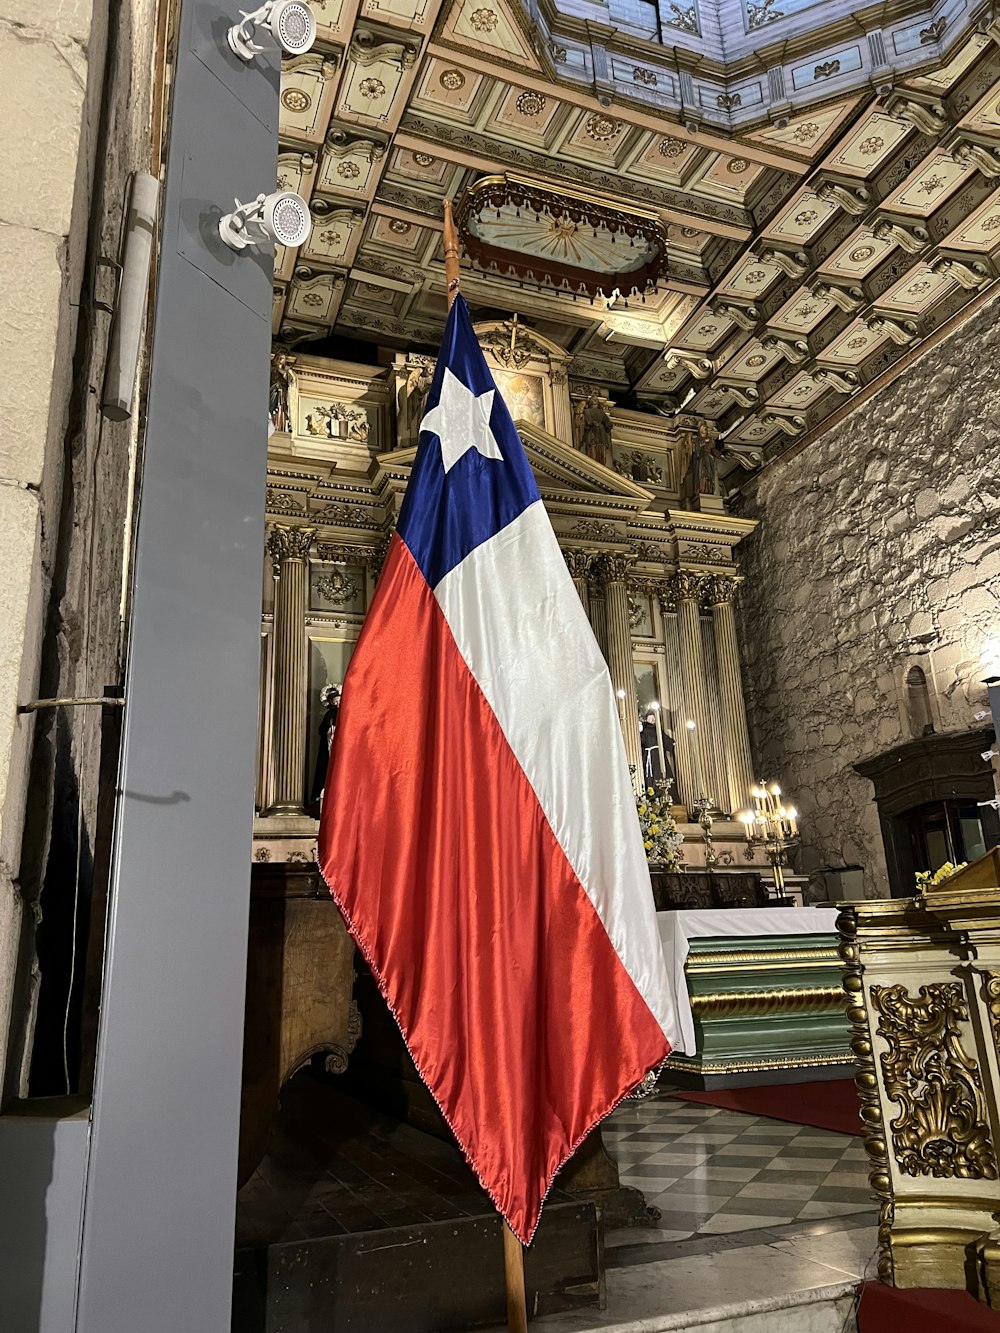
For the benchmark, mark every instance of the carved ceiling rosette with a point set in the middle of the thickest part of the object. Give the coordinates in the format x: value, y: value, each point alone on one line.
x: 568, y: 240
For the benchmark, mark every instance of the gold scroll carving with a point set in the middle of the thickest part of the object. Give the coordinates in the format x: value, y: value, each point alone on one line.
x: 941, y: 1129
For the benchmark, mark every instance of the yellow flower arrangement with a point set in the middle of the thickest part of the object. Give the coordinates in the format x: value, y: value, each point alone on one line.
x: 928, y: 878
x: 660, y: 837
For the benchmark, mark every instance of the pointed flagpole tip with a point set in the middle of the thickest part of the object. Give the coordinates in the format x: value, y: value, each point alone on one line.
x: 451, y: 255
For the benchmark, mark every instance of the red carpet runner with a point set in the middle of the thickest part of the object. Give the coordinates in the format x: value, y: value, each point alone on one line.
x: 922, y: 1310
x: 831, y: 1105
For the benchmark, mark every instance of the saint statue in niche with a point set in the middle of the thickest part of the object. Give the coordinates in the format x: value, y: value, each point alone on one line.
x: 592, y: 428
x: 655, y: 768
x: 329, y: 697
x: 418, y: 383
x: 281, y: 380
x: 702, y: 454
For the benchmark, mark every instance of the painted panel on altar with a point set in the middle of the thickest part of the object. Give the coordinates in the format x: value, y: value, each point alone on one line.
x: 524, y: 395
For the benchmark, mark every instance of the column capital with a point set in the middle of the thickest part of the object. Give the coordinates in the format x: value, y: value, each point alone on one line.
x: 685, y: 585
x: 615, y: 565
x: 654, y: 586
x: 719, y: 589
x: 285, y: 542
x: 579, y: 563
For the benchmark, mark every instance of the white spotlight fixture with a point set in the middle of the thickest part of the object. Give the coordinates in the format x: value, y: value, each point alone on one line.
x: 290, y: 22
x: 282, y: 217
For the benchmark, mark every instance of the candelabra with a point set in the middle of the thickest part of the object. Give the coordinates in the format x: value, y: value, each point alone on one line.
x: 705, y: 823
x: 773, y: 826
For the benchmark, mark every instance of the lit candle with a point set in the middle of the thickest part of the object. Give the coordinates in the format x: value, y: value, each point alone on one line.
x: 793, y: 816
x: 746, y: 818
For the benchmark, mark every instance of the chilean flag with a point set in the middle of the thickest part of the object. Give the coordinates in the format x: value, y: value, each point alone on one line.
x: 479, y: 830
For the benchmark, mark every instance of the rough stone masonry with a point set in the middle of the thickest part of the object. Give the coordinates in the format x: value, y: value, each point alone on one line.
x: 879, y: 549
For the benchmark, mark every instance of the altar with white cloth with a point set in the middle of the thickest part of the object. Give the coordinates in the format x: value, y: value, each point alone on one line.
x: 757, y: 995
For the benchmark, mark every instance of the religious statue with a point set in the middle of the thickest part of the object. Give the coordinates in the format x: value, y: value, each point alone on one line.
x: 418, y: 384
x: 702, y: 454
x: 329, y: 697
x: 592, y: 428
x: 657, y: 751
x: 281, y: 381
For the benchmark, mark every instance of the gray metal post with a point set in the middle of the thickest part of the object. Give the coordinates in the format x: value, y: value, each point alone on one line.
x: 157, y: 1244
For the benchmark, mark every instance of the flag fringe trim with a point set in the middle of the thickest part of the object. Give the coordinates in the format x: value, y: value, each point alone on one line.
x: 602, y: 1115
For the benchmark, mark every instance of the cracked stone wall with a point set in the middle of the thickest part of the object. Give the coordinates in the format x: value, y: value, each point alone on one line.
x: 75, y: 92
x: 878, y: 550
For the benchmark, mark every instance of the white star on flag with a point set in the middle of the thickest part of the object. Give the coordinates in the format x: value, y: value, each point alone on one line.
x: 461, y: 421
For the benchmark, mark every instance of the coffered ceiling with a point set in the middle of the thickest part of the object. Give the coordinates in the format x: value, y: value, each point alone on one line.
x: 813, y: 239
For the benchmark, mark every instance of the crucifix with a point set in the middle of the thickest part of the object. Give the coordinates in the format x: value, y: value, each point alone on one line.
x: 514, y: 326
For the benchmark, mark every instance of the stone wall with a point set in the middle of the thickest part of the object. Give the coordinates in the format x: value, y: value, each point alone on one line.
x: 879, y: 549
x: 75, y: 93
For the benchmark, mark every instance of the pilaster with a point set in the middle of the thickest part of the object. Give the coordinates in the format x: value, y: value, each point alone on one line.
x: 720, y: 592
x: 289, y: 550
x: 615, y: 569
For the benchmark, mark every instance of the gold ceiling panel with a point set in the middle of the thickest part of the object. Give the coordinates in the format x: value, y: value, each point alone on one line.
x: 936, y: 179
x: 858, y: 256
x: 981, y: 230
x: 798, y: 393
x: 752, y: 363
x: 803, y: 219
x: 807, y: 252
x: 808, y: 134
x: 942, y: 79
x: 450, y: 93
x: 866, y: 149
x: 308, y: 84
x: 917, y: 292
x: 335, y: 236
x: 491, y: 28
x: 665, y: 158
x: 351, y: 165
x: 751, y: 279
x: 803, y: 312
x: 855, y: 345
x: 334, y: 21
x: 417, y: 15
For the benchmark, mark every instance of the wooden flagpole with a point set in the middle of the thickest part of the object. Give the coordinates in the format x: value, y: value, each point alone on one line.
x: 452, y: 273
x: 513, y: 1251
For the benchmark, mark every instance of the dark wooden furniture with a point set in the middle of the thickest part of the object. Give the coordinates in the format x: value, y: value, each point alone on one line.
x: 300, y: 979
x: 941, y: 777
x: 356, y: 1223
x: 708, y: 888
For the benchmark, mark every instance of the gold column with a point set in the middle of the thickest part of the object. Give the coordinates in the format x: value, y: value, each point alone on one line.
x: 616, y: 569
x: 578, y: 563
x: 684, y: 792
x: 289, y: 549
x: 687, y: 590
x: 716, y: 742
x: 597, y: 605
x: 739, y: 762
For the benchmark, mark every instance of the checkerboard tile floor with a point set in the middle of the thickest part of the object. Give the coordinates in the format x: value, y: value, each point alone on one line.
x: 716, y: 1172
